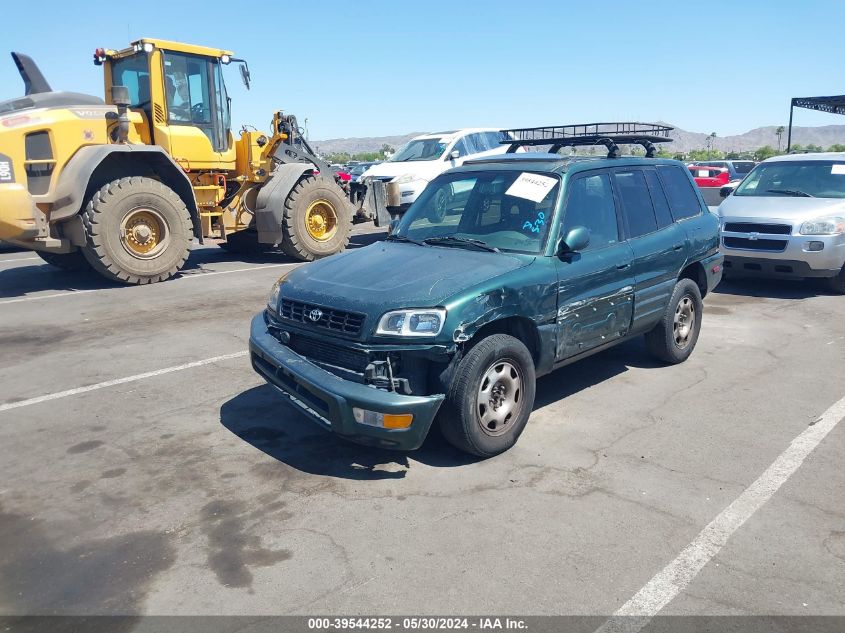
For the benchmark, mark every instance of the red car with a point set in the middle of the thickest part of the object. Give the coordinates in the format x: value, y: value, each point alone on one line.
x: 709, y: 176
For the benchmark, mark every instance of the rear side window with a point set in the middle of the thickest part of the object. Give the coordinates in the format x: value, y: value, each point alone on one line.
x: 682, y: 199
x: 636, y: 202
x: 661, y: 205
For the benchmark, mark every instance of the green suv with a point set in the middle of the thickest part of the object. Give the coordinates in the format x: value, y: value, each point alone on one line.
x: 503, y: 270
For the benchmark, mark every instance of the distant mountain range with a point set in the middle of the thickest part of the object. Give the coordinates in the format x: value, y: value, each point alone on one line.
x: 684, y: 141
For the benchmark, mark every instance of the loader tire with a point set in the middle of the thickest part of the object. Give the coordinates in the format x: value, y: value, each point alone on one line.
x: 244, y: 242
x: 74, y: 262
x: 317, y: 220
x: 138, y: 231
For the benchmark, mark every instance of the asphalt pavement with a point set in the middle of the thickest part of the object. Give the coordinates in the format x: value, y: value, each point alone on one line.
x: 145, y: 469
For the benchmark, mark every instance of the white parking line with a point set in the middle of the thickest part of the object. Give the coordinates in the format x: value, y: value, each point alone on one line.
x: 678, y: 574
x: 18, y: 259
x: 117, y: 381
x: 182, y: 278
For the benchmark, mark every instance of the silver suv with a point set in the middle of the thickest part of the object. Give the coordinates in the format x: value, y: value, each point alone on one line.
x: 787, y: 219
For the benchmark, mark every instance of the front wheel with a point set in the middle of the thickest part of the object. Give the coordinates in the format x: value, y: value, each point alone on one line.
x: 491, y: 397
x: 317, y: 220
x: 837, y: 284
x: 674, y: 337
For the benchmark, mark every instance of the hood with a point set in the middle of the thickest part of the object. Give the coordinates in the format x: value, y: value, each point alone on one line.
x: 426, y: 169
x: 780, y: 207
x: 388, y: 275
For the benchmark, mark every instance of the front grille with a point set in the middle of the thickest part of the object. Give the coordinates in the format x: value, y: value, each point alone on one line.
x: 755, y: 245
x: 318, y: 316
x: 752, y: 227
x: 330, y: 353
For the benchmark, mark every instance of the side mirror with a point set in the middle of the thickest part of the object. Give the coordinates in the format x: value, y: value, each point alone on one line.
x: 245, y: 74
x: 454, y: 154
x: 725, y: 191
x: 576, y: 240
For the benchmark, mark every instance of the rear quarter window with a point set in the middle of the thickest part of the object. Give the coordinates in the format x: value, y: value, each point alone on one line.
x: 679, y: 191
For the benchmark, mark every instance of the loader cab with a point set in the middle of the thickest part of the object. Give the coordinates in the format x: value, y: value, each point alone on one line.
x: 180, y: 90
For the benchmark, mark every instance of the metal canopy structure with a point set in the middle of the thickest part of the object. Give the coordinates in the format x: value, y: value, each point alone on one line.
x: 831, y: 105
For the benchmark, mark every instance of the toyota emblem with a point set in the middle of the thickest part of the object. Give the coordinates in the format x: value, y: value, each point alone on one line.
x: 315, y: 315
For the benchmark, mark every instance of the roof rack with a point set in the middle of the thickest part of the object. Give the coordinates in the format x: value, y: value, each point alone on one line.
x: 611, y: 135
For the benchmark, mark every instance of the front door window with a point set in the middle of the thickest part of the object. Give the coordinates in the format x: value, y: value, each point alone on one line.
x: 193, y: 86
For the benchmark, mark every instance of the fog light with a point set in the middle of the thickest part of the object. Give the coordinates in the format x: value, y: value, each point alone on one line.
x: 815, y: 246
x: 383, y: 420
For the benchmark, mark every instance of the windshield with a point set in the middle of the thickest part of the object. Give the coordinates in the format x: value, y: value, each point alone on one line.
x: 816, y: 178
x: 507, y: 210
x: 422, y: 149
x: 743, y: 166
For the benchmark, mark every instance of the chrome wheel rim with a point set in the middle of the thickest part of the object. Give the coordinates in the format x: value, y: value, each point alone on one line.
x: 684, y: 321
x: 499, y: 401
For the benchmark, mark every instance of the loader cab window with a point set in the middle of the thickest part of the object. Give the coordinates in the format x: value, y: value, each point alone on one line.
x: 134, y: 73
x: 196, y: 96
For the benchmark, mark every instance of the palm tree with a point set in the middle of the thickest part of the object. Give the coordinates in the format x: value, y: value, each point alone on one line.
x: 779, y: 132
x: 709, y: 143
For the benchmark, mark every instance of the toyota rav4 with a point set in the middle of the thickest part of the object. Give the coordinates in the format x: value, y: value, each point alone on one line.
x: 538, y: 260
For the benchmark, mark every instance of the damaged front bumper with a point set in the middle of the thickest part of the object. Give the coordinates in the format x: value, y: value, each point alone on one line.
x: 329, y: 400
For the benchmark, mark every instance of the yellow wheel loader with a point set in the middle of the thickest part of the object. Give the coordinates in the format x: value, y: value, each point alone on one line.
x: 123, y: 185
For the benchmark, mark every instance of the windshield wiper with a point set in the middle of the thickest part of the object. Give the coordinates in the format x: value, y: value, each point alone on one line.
x: 394, y: 237
x: 791, y: 192
x: 454, y: 240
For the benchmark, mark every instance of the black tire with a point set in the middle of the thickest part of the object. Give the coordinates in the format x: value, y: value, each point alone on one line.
x: 462, y: 413
x: 670, y: 343
x: 74, y: 262
x: 297, y: 242
x: 244, y: 242
x: 107, y: 250
x: 837, y: 284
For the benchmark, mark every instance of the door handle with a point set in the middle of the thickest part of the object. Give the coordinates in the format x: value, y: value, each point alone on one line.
x: 677, y: 247
x: 623, y: 266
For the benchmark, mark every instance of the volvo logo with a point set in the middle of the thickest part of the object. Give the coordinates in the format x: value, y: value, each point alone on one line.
x: 315, y: 315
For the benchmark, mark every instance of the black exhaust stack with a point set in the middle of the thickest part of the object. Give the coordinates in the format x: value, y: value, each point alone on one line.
x: 33, y: 80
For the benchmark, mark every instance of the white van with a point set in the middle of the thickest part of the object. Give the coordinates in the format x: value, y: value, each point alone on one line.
x: 427, y: 156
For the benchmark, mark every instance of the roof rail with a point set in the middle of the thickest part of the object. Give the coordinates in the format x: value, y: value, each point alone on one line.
x: 611, y: 135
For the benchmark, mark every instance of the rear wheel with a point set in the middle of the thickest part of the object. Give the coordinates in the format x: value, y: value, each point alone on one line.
x: 491, y: 396
x: 674, y: 337
x: 244, y: 242
x: 138, y: 231
x: 317, y: 219
x: 71, y: 262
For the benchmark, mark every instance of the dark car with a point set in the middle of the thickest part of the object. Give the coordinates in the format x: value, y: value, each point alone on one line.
x: 538, y: 261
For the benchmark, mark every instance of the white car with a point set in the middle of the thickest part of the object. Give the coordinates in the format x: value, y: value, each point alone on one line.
x: 427, y: 156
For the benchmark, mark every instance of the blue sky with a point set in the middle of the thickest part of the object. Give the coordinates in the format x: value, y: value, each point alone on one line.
x: 380, y: 68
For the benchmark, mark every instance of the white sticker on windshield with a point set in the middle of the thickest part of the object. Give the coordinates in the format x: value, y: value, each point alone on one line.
x: 532, y: 187
x: 838, y: 168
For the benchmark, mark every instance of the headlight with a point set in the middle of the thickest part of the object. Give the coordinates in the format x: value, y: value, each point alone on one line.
x: 412, y: 322
x: 273, y: 299
x: 823, y: 226
x: 406, y: 178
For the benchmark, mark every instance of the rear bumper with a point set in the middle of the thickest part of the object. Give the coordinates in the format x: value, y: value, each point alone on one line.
x: 20, y: 219
x: 328, y: 399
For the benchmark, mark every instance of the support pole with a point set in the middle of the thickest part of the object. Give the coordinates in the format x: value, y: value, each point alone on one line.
x: 789, y: 134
